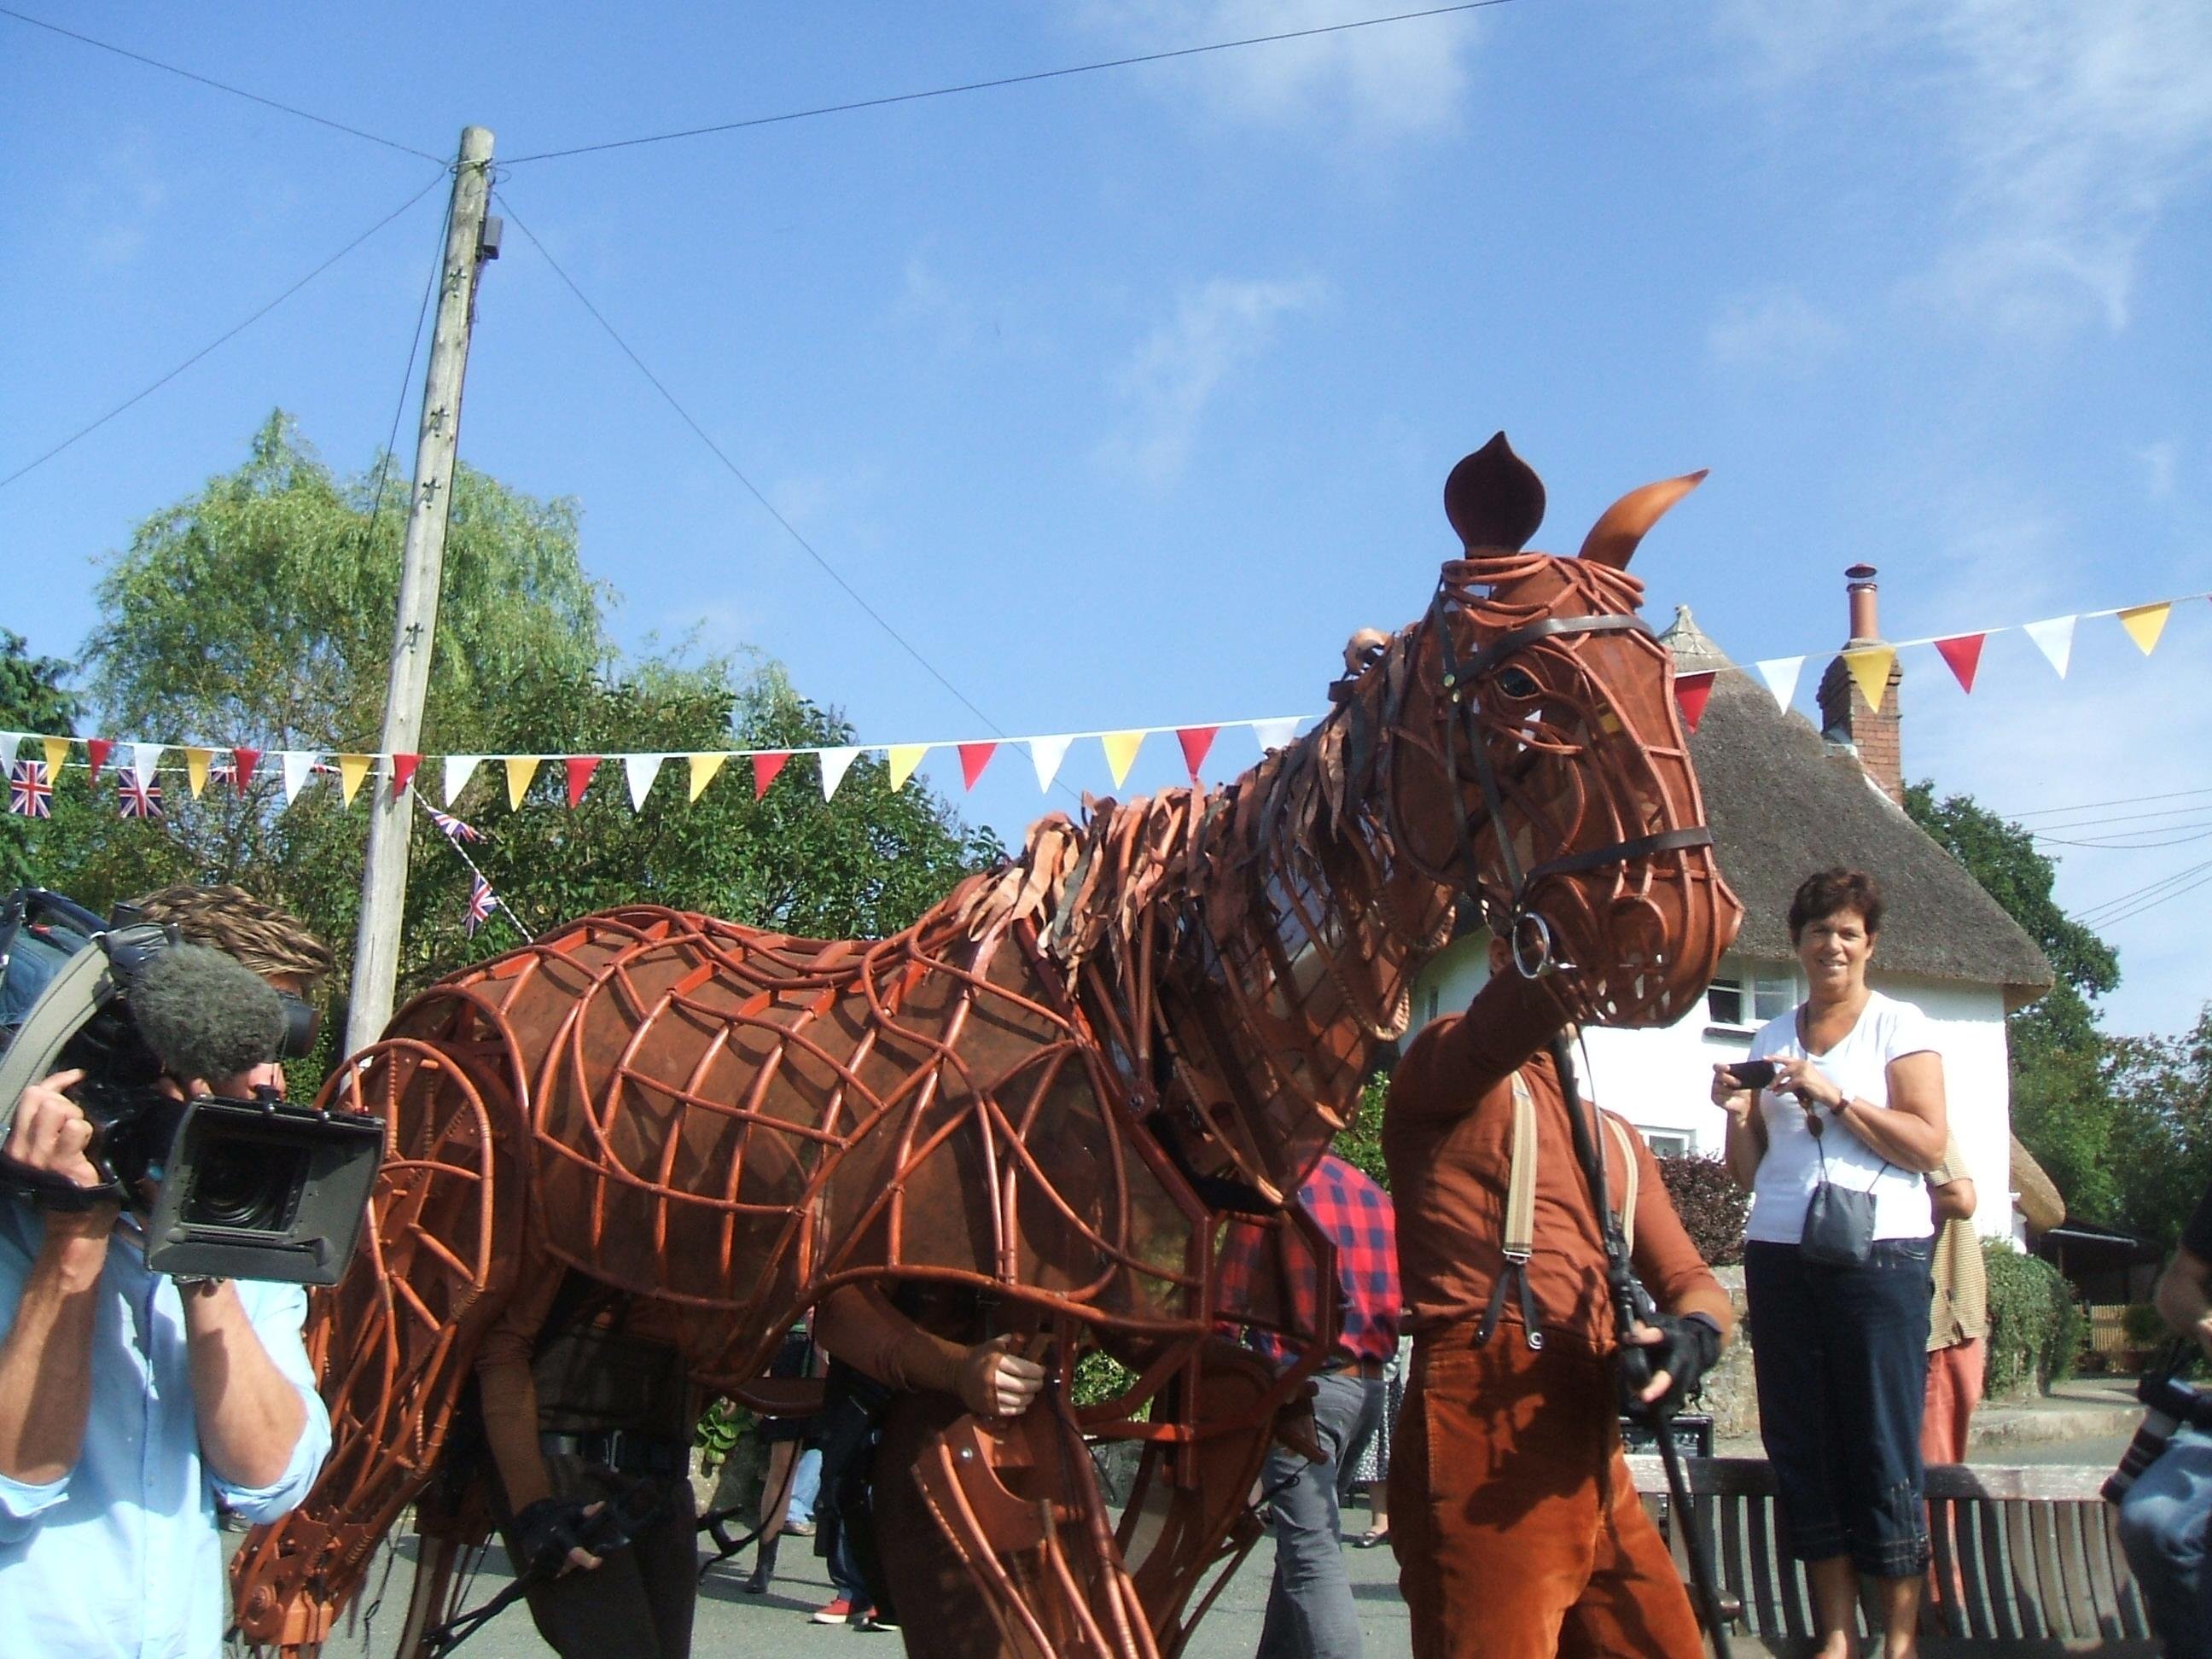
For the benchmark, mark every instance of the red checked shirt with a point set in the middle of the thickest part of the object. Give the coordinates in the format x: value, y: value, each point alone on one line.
x: 1356, y: 1216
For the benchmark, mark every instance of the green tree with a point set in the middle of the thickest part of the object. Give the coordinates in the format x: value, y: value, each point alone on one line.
x: 33, y: 701
x: 2162, y: 1092
x: 258, y: 612
x: 2063, y: 1106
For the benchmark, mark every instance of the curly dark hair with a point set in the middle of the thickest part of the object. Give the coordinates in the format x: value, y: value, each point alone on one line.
x: 1826, y: 892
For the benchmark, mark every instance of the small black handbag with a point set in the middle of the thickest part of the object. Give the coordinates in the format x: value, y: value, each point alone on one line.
x: 1839, y: 1230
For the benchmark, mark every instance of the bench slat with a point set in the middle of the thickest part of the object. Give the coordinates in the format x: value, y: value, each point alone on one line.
x: 2031, y: 1555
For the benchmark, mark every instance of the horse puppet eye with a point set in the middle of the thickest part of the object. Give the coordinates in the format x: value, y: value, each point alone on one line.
x: 1515, y: 682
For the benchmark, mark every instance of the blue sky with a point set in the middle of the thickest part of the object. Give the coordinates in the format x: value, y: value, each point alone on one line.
x: 1128, y: 395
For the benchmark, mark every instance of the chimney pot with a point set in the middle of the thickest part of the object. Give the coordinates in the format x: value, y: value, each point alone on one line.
x: 1860, y: 584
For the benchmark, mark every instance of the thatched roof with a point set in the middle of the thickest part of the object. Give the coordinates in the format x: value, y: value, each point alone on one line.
x: 2039, y: 1200
x: 1782, y: 804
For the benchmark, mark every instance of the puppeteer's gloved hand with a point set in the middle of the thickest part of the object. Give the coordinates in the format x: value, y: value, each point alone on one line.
x: 1681, y: 1348
x: 550, y: 1534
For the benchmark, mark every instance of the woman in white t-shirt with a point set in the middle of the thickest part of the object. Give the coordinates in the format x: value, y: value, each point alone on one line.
x: 1840, y: 1352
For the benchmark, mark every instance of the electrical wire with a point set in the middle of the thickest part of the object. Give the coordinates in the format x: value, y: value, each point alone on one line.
x: 221, y: 86
x: 737, y: 472
x: 2133, y: 901
x: 889, y: 99
x: 2089, y: 806
x: 227, y: 335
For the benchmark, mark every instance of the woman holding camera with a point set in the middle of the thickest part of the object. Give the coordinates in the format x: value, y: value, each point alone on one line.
x: 1831, y: 1122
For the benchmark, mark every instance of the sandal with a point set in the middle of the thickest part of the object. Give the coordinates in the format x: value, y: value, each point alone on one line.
x: 1370, y: 1538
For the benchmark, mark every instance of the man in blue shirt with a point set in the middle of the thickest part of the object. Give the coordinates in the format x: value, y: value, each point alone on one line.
x: 130, y: 1405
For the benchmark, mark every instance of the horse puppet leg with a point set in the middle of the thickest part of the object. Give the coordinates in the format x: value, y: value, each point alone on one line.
x: 1190, y: 1510
x: 998, y: 1543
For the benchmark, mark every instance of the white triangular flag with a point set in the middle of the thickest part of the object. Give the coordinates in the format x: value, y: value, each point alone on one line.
x: 2055, y: 639
x: 299, y: 764
x: 836, y: 762
x: 459, y: 768
x: 1780, y: 674
x: 641, y: 770
x: 145, y: 759
x: 7, y: 742
x: 1045, y: 755
x: 1275, y: 734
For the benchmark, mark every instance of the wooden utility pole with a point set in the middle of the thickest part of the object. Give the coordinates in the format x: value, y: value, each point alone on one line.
x: 384, y: 885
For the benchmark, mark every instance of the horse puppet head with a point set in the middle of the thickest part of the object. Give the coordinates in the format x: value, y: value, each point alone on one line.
x: 1541, y: 766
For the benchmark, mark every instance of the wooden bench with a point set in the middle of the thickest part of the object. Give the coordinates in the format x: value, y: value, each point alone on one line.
x: 2034, y: 1553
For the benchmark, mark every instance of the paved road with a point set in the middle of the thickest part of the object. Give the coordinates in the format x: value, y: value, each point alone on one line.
x: 734, y: 1624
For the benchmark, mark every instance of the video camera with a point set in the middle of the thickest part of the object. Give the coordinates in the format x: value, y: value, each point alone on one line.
x: 2169, y: 1402
x: 244, y: 1188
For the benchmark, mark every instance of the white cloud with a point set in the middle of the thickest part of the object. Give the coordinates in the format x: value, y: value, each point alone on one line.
x: 1778, y: 330
x: 1392, y: 80
x: 1217, y: 329
x: 2070, y: 131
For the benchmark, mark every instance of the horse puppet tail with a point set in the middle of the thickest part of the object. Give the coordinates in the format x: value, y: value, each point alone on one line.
x: 394, y: 1341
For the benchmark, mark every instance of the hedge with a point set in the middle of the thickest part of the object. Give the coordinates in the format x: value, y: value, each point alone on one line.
x: 1712, y: 1205
x: 2034, y: 1326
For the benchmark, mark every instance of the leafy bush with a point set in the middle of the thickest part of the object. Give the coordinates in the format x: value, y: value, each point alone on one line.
x: 2034, y: 1327
x: 1712, y: 1205
x: 2140, y: 1323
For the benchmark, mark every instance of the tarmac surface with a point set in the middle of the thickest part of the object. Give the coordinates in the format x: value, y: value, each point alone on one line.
x: 2086, y: 1421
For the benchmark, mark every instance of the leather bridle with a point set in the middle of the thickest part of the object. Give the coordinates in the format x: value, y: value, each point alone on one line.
x: 1526, y: 933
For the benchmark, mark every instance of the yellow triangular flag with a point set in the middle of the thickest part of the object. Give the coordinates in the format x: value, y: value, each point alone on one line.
x: 352, y: 768
x: 2144, y: 624
x: 904, y: 758
x: 520, y: 769
x: 197, y: 761
x: 703, y: 767
x: 57, y: 751
x: 1870, y: 668
x: 1120, y: 752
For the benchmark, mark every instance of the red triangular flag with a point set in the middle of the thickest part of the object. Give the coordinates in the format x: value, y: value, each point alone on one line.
x: 580, y: 768
x: 1964, y: 653
x: 97, y: 751
x: 1195, y: 741
x: 403, y: 773
x: 242, y: 762
x: 1692, y: 693
x: 974, y: 757
x: 765, y: 766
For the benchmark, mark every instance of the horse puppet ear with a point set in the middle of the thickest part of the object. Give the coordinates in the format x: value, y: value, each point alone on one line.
x: 1612, y: 539
x: 1494, y: 499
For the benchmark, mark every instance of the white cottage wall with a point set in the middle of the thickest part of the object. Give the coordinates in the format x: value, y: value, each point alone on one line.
x: 1660, y: 1079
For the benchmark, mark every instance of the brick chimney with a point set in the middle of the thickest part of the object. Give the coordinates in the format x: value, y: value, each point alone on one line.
x: 1871, y: 734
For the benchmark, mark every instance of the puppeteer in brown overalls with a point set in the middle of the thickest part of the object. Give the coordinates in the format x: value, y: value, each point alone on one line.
x: 586, y: 1400
x: 1518, y: 1530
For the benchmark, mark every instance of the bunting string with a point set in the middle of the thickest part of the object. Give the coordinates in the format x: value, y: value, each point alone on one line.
x: 32, y: 781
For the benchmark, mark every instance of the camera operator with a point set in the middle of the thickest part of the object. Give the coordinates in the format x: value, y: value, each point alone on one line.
x: 2163, y: 1514
x: 131, y: 1404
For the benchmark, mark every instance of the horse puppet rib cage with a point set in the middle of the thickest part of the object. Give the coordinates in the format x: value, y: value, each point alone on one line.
x: 1042, y: 1101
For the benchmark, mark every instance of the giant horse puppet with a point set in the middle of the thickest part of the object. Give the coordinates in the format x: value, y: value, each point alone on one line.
x: 1038, y: 1105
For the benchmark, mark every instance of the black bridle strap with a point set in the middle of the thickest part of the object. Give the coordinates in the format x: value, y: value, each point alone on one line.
x: 1622, y: 852
x: 1519, y: 639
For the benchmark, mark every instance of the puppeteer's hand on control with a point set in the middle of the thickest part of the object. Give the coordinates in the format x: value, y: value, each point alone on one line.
x: 994, y: 1381
x: 1683, y: 1349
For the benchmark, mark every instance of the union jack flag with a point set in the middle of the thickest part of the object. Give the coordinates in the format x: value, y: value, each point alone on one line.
x: 140, y: 797
x: 454, y: 827
x: 29, y: 792
x: 482, y: 902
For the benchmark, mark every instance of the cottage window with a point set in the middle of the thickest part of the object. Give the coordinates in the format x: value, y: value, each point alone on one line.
x: 1665, y: 1143
x: 1744, y: 1001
